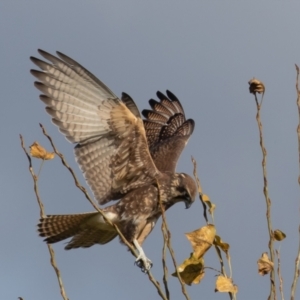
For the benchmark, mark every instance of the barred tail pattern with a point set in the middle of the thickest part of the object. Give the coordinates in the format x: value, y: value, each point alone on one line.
x: 81, y: 227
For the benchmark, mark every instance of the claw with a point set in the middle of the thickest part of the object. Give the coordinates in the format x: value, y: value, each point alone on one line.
x: 144, y: 264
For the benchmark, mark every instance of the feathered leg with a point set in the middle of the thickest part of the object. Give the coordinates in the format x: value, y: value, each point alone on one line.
x: 142, y: 260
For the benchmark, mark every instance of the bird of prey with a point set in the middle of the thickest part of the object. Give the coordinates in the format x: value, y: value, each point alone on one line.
x: 122, y: 156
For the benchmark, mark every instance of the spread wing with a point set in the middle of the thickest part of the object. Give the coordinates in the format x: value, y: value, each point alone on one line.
x: 167, y: 130
x: 112, y: 149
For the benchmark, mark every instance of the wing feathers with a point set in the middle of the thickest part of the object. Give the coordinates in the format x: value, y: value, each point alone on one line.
x: 154, y: 116
x: 131, y: 105
x: 112, y: 148
x: 187, y: 128
x: 157, y: 106
x: 167, y: 130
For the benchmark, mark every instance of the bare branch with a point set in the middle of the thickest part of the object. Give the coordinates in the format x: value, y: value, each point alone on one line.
x: 165, y: 268
x: 297, y: 261
x: 257, y: 86
x: 279, y: 275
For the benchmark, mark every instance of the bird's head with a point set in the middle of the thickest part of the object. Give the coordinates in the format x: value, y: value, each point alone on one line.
x: 185, y: 189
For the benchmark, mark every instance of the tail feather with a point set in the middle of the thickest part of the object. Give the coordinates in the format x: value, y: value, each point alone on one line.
x: 90, y: 237
x: 82, y: 227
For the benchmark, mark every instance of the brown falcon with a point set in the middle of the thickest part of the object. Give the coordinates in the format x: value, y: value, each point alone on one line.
x: 121, y: 156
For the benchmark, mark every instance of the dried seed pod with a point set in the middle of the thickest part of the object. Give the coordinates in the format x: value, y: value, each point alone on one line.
x: 256, y: 86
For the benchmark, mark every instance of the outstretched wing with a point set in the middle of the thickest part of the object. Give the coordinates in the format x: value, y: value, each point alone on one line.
x: 112, y: 149
x: 167, y: 130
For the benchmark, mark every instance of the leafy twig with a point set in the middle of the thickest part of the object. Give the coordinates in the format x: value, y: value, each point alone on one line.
x: 199, y: 189
x: 167, y: 237
x: 223, y: 272
x: 42, y: 214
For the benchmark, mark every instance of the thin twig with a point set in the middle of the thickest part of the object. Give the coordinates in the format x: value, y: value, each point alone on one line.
x: 279, y: 275
x: 210, y: 268
x: 42, y: 215
x: 84, y: 191
x: 221, y: 260
x: 297, y: 261
x: 297, y: 271
x: 199, y: 189
x: 268, y: 200
x: 229, y: 263
x: 40, y: 168
x: 167, y: 236
x: 165, y: 268
x: 223, y: 272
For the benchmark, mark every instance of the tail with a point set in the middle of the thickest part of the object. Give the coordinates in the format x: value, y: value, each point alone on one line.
x: 86, y: 229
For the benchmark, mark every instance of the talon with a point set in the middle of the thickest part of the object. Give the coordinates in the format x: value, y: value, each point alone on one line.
x: 142, y: 261
x: 144, y: 264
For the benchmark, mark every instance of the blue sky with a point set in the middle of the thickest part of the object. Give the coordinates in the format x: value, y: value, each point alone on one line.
x: 205, y: 53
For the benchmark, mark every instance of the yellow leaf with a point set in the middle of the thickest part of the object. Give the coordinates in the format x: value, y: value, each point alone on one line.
x: 37, y: 151
x: 212, y: 206
x: 191, y: 270
x: 256, y: 86
x: 225, y: 285
x: 279, y: 235
x: 202, y: 239
x: 218, y: 242
x: 205, y: 198
x: 265, y: 266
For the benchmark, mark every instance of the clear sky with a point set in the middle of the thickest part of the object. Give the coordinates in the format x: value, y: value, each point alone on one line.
x: 205, y: 53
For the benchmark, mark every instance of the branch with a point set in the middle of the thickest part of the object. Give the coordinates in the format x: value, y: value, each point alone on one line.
x: 232, y: 296
x: 257, y: 86
x: 42, y: 214
x: 279, y: 275
x: 165, y: 268
x: 297, y: 261
x: 199, y: 189
x: 167, y: 236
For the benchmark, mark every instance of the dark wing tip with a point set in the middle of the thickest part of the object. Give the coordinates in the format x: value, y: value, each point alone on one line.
x: 192, y: 125
x: 42, y: 52
x: 160, y: 95
x: 171, y: 96
x: 36, y: 61
x: 38, y: 84
x: 65, y: 57
x: 146, y: 113
x: 130, y: 104
x: 152, y: 103
x: 187, y: 128
x: 36, y: 73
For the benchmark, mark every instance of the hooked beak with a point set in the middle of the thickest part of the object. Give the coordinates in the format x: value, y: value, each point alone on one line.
x: 188, y: 204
